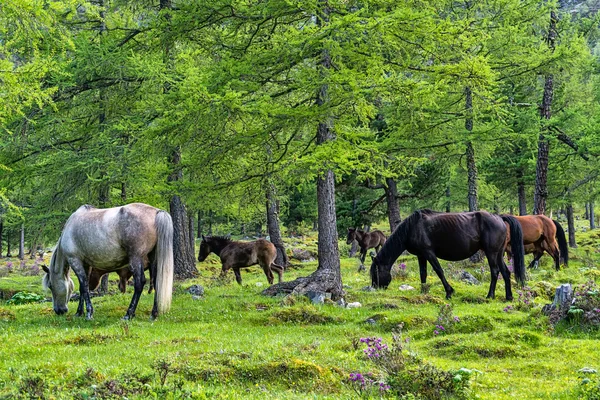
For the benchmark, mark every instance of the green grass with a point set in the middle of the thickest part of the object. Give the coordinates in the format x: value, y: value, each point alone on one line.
x: 236, y: 343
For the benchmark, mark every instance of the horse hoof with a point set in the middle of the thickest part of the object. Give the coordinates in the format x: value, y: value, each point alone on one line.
x: 127, y: 317
x: 89, y: 317
x: 79, y: 314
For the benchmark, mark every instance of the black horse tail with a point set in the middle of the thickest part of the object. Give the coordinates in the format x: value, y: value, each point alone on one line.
x: 517, y: 247
x: 562, y: 243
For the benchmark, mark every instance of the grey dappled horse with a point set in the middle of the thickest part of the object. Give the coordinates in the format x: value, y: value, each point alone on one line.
x: 107, y: 240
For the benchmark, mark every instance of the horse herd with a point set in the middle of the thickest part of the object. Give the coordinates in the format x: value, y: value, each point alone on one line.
x: 136, y: 237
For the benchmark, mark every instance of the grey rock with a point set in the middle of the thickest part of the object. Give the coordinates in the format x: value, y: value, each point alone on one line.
x: 368, y: 289
x: 303, y: 255
x: 587, y: 370
x: 467, y: 277
x: 371, y: 321
x: 196, y: 290
x: 194, y: 297
x: 356, y: 304
x: 316, y: 297
x: 406, y: 287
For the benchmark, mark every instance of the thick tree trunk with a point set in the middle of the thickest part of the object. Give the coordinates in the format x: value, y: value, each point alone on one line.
x: 22, y: 243
x: 592, y: 216
x: 273, y: 227
x: 571, y: 226
x: 327, y: 278
x: 586, y: 214
x: 541, y: 171
x: 391, y: 197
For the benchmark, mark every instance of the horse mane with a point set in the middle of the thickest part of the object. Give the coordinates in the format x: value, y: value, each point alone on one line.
x: 225, y: 240
x: 395, y: 244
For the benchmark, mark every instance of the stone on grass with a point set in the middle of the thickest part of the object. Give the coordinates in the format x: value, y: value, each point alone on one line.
x: 406, y: 287
x: 316, y: 297
x: 587, y: 370
x: 356, y: 304
x: 303, y: 255
x: 194, y: 297
x: 259, y: 284
x: 371, y: 321
x: 467, y: 277
x: 341, y: 303
x: 368, y: 289
x: 196, y: 290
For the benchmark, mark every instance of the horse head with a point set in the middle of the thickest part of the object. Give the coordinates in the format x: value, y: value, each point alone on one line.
x: 61, y: 286
x: 204, y: 249
x: 351, y: 234
x: 381, y: 275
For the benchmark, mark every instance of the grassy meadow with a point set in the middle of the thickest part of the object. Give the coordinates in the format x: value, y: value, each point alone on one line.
x: 236, y: 343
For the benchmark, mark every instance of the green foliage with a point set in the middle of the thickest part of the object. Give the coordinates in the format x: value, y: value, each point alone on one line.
x: 25, y: 298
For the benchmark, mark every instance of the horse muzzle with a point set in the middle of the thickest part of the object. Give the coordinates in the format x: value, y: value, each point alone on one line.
x: 61, y: 310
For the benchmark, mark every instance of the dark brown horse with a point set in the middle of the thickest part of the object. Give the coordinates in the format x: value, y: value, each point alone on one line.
x: 366, y: 241
x: 235, y: 255
x: 453, y: 237
x: 540, y: 234
x: 137, y: 235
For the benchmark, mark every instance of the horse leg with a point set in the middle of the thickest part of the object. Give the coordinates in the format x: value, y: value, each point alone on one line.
x: 536, y: 257
x: 136, y: 266
x: 505, y: 275
x: 363, y: 254
x: 84, y: 289
x: 279, y: 270
x: 494, y: 271
x: 238, y: 275
x: 552, y: 249
x: 423, y: 272
x: 440, y: 273
x: 267, y: 269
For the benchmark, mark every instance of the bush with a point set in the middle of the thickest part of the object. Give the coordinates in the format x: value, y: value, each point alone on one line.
x: 25, y: 298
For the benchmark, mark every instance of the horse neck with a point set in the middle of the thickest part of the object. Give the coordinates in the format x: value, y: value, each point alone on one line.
x: 396, y: 243
x: 218, y: 245
x: 360, y: 236
x: 57, y: 261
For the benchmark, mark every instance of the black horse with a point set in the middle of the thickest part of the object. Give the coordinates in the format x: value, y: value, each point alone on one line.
x: 452, y: 236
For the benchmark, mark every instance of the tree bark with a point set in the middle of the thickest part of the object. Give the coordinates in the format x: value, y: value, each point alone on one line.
x: 592, y: 215
x: 571, y: 226
x: 103, y: 288
x: 327, y: 277
x: 1, y: 229
x: 586, y: 214
x: 273, y: 226
x: 541, y: 171
x: 471, y: 165
x: 22, y: 243
x: 391, y: 197
x: 184, y: 260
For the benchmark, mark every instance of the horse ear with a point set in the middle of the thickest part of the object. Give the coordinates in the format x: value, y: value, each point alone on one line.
x: 46, y: 270
x: 203, y: 237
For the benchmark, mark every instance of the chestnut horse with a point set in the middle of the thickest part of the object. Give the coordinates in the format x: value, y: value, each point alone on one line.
x: 235, y: 255
x: 540, y: 234
x: 108, y: 239
x: 366, y: 241
x: 453, y: 237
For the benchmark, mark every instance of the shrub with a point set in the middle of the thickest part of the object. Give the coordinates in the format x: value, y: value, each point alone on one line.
x: 25, y: 298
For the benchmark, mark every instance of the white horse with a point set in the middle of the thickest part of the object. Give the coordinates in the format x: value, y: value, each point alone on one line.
x: 107, y: 240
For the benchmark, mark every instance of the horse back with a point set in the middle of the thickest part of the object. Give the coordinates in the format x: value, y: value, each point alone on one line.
x: 244, y: 254
x: 534, y: 226
x: 105, y: 238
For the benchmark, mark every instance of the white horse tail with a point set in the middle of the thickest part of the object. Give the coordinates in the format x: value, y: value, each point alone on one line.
x: 164, y: 261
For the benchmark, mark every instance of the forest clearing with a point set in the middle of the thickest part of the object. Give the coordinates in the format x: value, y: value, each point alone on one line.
x: 299, y: 199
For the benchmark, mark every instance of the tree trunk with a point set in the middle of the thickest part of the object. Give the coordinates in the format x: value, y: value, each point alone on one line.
x: 571, y: 226
x: 391, y: 197
x: 471, y: 165
x: 592, y: 216
x: 273, y: 226
x: 448, y: 198
x: 586, y: 215
x: 521, y: 192
x: 22, y: 243
x: 184, y: 261
x: 103, y: 288
x: 327, y: 278
x: 199, y: 225
x: 191, y: 233
x: 1, y: 229
x: 541, y: 171
x: 8, y: 244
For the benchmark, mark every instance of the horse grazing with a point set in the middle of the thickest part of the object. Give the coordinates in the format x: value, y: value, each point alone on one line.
x: 453, y: 237
x: 540, y: 234
x: 366, y: 241
x: 235, y: 255
x: 108, y: 239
